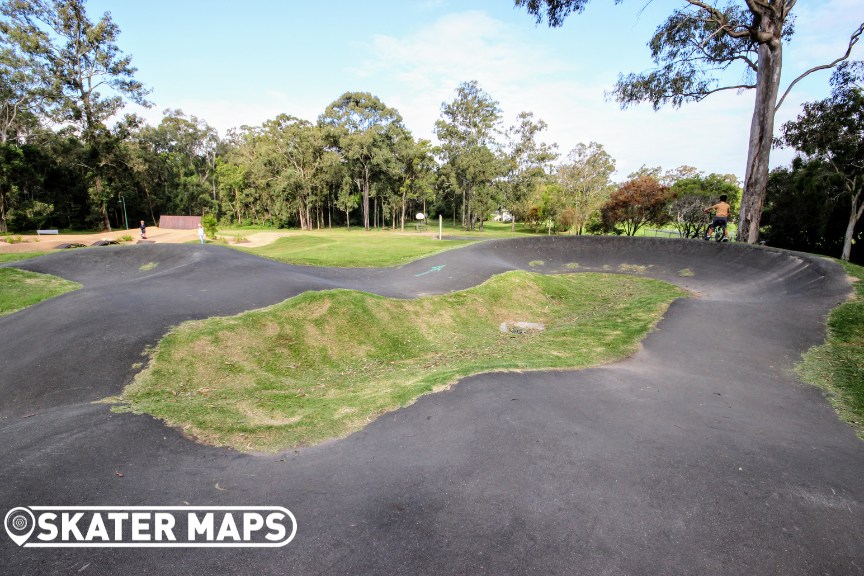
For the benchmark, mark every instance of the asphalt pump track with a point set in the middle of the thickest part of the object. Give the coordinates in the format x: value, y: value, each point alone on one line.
x: 701, y: 454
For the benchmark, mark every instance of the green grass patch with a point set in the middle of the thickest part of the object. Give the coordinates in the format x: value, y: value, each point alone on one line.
x: 837, y: 366
x: 20, y: 289
x: 17, y: 256
x: 353, y: 248
x: 324, y: 364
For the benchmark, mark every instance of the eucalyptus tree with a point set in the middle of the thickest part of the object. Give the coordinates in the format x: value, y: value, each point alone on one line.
x: 528, y: 162
x: 269, y: 194
x: 832, y: 131
x: 417, y: 174
x: 807, y: 208
x: 192, y: 145
x: 693, y: 49
x: 11, y: 160
x: 24, y: 80
x: 334, y: 182
x: 90, y: 78
x: 293, y: 149
x: 467, y: 131
x: 231, y: 182
x: 585, y: 181
x: 364, y: 131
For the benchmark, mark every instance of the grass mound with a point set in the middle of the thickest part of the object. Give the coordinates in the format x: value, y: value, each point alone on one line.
x: 324, y: 364
x: 20, y: 289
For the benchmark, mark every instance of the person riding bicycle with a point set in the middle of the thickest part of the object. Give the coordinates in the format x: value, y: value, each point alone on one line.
x: 721, y: 217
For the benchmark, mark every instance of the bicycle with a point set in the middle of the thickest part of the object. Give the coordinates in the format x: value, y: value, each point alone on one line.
x: 719, y: 234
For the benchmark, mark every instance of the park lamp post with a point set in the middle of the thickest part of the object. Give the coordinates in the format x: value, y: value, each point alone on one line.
x: 123, y: 201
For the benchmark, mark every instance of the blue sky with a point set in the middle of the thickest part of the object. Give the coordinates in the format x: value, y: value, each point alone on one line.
x: 232, y: 63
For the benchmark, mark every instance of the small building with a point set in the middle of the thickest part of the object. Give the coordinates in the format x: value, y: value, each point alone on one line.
x: 179, y: 222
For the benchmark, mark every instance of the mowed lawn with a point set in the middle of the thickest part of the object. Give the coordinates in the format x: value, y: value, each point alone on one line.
x: 354, y: 248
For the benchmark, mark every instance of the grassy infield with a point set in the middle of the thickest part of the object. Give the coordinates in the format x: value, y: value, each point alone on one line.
x: 324, y: 364
x: 353, y: 248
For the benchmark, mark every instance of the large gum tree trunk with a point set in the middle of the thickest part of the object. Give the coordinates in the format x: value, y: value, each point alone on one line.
x: 761, y: 138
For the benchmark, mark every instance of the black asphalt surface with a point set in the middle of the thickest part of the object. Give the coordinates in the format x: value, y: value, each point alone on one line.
x: 700, y: 455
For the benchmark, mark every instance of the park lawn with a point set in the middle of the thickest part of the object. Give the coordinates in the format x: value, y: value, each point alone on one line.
x: 837, y: 366
x: 324, y: 364
x: 18, y: 256
x: 353, y: 248
x: 20, y: 289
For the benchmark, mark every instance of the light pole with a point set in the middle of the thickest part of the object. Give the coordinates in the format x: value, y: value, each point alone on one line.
x: 123, y: 201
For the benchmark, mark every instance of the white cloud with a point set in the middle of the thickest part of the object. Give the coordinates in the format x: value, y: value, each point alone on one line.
x: 427, y: 65
x: 418, y: 69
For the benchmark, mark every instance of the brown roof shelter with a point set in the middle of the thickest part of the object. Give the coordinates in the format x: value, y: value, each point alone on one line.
x: 179, y: 222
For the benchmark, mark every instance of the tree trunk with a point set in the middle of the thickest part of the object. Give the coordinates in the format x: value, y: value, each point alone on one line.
x: 301, y: 215
x: 854, y: 216
x: 365, y: 198
x: 3, y: 227
x: 149, y: 201
x: 761, y: 132
x: 103, y: 209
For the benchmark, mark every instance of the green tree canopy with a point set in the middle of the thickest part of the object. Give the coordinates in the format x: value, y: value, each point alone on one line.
x: 467, y: 130
x: 585, y: 181
x: 365, y: 131
x: 528, y: 163
x: 88, y: 76
x: 832, y: 131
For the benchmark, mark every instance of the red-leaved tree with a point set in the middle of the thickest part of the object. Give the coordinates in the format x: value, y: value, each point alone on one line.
x: 636, y: 203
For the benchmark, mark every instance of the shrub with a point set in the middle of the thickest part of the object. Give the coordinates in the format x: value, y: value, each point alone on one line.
x: 209, y: 223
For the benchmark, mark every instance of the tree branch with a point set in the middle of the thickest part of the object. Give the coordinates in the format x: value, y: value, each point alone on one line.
x: 718, y: 17
x: 852, y: 41
x: 739, y: 87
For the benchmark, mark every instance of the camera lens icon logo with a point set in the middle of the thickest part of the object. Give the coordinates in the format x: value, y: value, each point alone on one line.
x: 19, y: 523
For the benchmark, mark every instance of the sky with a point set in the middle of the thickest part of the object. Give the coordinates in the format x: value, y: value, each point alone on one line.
x: 234, y: 63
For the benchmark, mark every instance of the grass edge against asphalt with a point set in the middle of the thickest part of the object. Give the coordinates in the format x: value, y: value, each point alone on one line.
x: 837, y: 365
x: 39, y: 287
x: 324, y: 364
x: 18, y: 256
